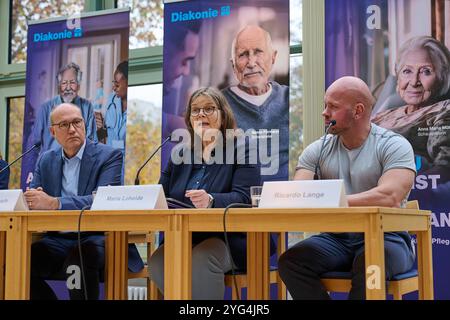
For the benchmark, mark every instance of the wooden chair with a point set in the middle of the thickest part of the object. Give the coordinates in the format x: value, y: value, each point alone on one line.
x: 398, y: 286
x: 148, y: 237
x: 142, y: 238
x: 274, y: 277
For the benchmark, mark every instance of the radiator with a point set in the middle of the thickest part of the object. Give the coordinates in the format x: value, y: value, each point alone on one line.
x: 137, y: 293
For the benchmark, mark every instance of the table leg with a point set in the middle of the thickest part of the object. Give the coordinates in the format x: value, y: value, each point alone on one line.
x: 109, y: 265
x: 178, y: 260
x: 116, y: 265
x: 258, y: 265
x: 121, y: 266
x: 374, y: 255
x: 17, y: 272
x: 425, y: 264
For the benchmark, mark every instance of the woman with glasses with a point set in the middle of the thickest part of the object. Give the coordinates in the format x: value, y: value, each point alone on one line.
x: 205, y: 179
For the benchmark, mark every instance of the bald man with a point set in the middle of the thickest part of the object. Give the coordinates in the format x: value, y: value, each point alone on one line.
x: 64, y: 179
x: 378, y: 169
x: 257, y: 102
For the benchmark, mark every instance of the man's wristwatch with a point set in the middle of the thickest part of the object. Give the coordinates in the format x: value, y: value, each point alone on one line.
x: 211, y: 201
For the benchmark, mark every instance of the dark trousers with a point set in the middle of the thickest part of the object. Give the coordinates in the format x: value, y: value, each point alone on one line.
x: 300, y: 267
x: 53, y: 254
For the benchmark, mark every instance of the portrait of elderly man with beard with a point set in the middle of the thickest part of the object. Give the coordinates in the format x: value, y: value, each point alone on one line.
x: 69, y: 78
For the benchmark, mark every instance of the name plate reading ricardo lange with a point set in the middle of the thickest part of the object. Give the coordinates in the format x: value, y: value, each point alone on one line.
x: 303, y: 194
x: 143, y: 197
x: 12, y: 200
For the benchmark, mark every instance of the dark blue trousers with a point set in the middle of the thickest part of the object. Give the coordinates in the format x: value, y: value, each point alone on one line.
x: 300, y: 267
x: 53, y: 254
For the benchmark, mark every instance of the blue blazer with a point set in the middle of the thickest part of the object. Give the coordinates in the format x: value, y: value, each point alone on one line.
x: 4, y: 176
x: 101, y: 165
x: 227, y: 183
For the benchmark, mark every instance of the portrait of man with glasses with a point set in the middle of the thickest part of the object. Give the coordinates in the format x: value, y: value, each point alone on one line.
x: 68, y: 78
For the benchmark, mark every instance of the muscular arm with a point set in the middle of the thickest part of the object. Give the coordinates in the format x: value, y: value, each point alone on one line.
x: 392, y: 188
x: 303, y: 174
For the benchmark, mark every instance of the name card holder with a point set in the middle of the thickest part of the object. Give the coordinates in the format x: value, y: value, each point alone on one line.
x: 143, y: 197
x: 303, y: 194
x: 12, y: 200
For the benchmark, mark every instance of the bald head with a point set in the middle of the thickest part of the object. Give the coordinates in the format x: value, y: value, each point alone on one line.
x: 352, y: 90
x: 348, y: 103
x: 62, y: 109
x: 68, y: 128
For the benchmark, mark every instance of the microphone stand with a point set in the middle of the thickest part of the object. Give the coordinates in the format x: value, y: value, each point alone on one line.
x: 136, y: 180
x: 316, y: 169
x: 23, y: 154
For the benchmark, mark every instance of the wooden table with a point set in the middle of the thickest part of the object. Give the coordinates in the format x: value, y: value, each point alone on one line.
x: 20, y: 225
x: 372, y: 221
x: 179, y: 225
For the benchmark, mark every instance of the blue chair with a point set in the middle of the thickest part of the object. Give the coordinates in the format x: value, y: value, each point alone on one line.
x: 397, y: 286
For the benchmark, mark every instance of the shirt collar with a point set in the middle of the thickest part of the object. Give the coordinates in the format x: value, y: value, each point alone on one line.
x: 79, y: 154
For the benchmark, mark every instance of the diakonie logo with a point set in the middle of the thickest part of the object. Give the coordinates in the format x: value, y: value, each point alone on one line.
x: 73, y: 30
x: 210, y: 13
x: 52, y: 36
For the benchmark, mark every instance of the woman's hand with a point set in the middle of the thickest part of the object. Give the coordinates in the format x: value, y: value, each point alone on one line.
x: 199, y: 198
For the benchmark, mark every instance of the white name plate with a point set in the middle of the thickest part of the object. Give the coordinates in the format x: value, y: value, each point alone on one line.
x: 12, y: 200
x: 143, y: 197
x: 303, y: 194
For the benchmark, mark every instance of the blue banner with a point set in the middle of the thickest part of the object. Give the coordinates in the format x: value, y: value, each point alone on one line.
x: 202, y: 39
x: 81, y: 60
x: 400, y: 50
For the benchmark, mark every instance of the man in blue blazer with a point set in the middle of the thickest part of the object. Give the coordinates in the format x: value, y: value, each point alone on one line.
x: 4, y: 176
x: 64, y: 179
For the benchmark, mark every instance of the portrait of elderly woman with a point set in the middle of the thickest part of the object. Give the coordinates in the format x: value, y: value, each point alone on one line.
x: 423, y: 82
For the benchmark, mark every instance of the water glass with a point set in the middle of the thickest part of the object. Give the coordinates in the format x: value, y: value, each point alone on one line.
x: 255, y: 194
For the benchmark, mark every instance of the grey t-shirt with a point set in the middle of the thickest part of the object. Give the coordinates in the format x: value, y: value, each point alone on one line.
x: 360, y: 168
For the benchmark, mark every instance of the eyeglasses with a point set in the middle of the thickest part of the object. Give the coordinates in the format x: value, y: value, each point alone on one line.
x: 66, y: 83
x: 207, y: 111
x: 77, y: 123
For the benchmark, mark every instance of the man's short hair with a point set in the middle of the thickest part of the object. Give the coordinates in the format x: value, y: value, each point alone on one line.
x: 74, y: 67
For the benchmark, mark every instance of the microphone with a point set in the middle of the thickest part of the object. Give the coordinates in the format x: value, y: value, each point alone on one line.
x: 317, y: 169
x: 136, y: 180
x: 38, y: 144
